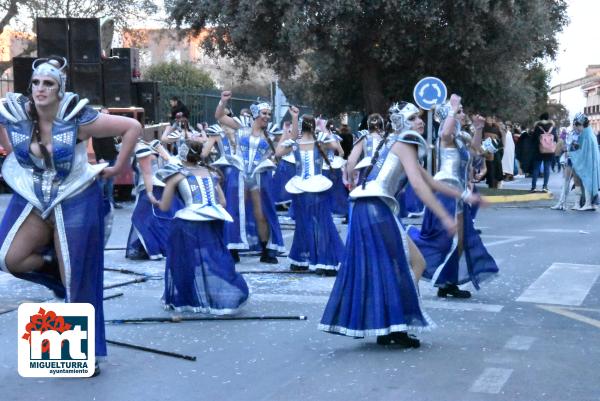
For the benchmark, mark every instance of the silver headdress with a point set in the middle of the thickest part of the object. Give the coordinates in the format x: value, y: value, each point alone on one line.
x: 257, y: 107
x: 399, y: 116
x: 582, y: 119
x: 442, y: 111
x: 44, y: 67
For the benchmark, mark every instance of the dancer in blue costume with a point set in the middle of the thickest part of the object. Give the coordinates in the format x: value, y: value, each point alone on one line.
x: 585, y: 162
x: 286, y: 169
x: 231, y: 165
x: 334, y: 170
x: 180, y: 131
x: 200, y: 273
x: 150, y: 226
x: 316, y: 246
x: 255, y: 147
x: 445, y: 266
x: 364, y: 148
x: 52, y: 231
x: 375, y: 292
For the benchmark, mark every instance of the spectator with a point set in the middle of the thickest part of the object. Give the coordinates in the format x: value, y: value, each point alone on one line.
x: 508, y: 158
x: 493, y: 162
x: 347, y: 139
x: 178, y: 107
x: 543, y: 152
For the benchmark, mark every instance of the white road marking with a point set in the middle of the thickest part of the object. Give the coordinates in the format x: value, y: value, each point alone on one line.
x: 509, y: 238
x: 491, y: 381
x: 461, y: 306
x: 572, y: 315
x: 556, y: 230
x: 519, y: 343
x: 322, y: 300
x: 562, y: 284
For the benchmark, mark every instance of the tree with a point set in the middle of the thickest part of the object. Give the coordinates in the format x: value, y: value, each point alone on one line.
x: 184, y: 75
x: 559, y: 114
x: 22, y: 13
x: 361, y: 53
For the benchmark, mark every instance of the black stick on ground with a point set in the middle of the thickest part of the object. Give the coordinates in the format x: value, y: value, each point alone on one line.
x: 179, y: 319
x: 124, y: 271
x: 152, y: 350
x: 118, y: 294
x: 134, y: 281
x: 276, y: 272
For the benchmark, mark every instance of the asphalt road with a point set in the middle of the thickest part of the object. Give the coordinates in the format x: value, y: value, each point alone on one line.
x: 531, y: 334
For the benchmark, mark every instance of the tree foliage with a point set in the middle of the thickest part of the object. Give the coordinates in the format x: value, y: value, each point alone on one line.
x: 360, y: 53
x: 181, y: 75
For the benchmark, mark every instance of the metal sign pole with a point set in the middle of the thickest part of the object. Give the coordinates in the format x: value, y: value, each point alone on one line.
x: 429, y: 141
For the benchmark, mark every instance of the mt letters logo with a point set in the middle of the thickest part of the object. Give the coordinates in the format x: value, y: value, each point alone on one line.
x: 56, y: 340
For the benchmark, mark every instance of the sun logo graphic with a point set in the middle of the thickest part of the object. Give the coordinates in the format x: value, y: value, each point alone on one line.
x: 56, y: 340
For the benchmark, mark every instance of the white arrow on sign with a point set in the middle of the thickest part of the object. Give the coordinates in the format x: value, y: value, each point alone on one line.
x: 422, y: 91
x: 437, y: 89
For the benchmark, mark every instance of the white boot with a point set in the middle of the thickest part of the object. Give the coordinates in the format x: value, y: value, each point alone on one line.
x: 588, y: 202
x: 562, y: 202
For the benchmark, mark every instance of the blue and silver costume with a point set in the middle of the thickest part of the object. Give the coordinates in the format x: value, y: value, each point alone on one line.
x: 149, y: 225
x: 232, y: 167
x: 408, y: 201
x: 66, y: 192
x: 374, y: 293
x: 316, y: 243
x: 255, y: 153
x: 200, y: 273
x: 444, y: 264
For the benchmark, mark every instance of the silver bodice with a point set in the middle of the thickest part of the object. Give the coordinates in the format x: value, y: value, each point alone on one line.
x: 309, y: 177
x: 82, y: 174
x: 449, y: 168
x: 200, y: 198
x: 388, y: 176
x: 142, y: 151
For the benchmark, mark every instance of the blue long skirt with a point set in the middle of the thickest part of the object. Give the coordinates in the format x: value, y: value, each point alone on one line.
x: 275, y: 243
x: 200, y: 273
x: 233, y: 188
x: 150, y: 227
x: 316, y: 243
x: 285, y: 171
x: 82, y: 217
x: 444, y: 265
x: 338, y: 193
x: 374, y: 292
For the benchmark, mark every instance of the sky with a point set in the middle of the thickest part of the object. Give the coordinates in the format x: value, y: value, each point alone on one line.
x: 578, y: 43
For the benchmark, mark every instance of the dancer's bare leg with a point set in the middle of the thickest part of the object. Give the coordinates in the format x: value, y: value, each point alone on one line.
x: 417, y: 261
x: 261, y: 221
x: 24, y: 255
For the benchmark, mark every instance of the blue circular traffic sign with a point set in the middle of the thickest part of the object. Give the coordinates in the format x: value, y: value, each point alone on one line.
x: 429, y: 92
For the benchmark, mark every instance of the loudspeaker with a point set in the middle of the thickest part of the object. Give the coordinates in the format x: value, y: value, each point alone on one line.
x: 86, y: 81
x: 22, y: 74
x: 84, y: 40
x: 52, y: 37
x: 117, y: 82
x: 133, y: 55
x: 148, y: 97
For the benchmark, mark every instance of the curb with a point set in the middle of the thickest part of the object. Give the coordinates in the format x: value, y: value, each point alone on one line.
x: 518, y: 198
